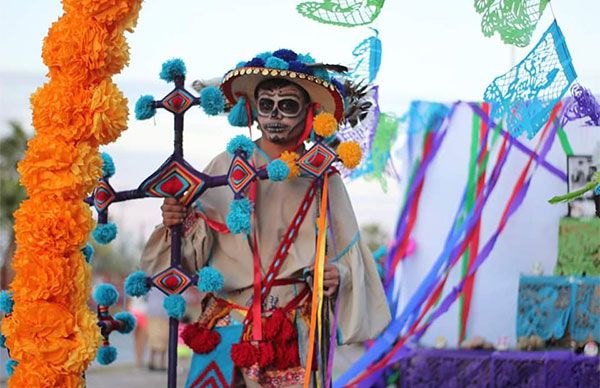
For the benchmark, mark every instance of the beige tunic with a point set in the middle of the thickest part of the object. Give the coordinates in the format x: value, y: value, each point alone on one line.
x: 363, y: 312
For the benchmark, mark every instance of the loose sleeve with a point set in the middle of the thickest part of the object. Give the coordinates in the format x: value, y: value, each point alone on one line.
x: 363, y: 308
x: 196, y: 246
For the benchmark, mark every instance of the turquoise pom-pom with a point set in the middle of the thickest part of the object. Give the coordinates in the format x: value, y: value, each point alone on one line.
x: 242, y: 143
x: 171, y: 69
x: 323, y: 74
x: 136, y: 284
x: 240, y: 64
x: 278, y: 170
x: 210, y: 280
x: 2, y: 341
x: 212, y: 101
x: 238, y: 116
x: 305, y: 58
x: 276, y: 63
x: 597, y: 189
x: 106, y: 354
x: 129, y: 321
x: 88, y: 253
x: 6, y: 301
x: 106, y: 294
x: 144, y: 108
x: 108, y: 166
x: 239, y: 216
x: 105, y: 233
x: 10, y: 366
x: 175, y: 306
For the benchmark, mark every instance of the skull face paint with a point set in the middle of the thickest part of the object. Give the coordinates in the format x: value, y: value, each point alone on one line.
x: 281, y: 113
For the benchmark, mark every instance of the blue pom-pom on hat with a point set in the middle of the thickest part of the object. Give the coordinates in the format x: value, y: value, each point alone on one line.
x: 108, y: 165
x: 6, y: 301
x: 106, y: 355
x: 255, y: 62
x: 2, y: 341
x: 136, y: 284
x: 299, y: 67
x: 239, y: 216
x: 210, y: 280
x: 171, y: 69
x: 285, y: 54
x: 106, y: 294
x: 212, y: 101
x: 278, y: 170
x: 88, y: 253
x: 323, y: 74
x: 105, y: 233
x: 241, y: 143
x: 305, y: 58
x: 144, y: 107
x: 276, y: 63
x: 175, y: 306
x: 129, y: 322
x: 264, y: 55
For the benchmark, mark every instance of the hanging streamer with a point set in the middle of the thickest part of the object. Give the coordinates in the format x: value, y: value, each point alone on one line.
x: 367, y: 59
x: 526, y: 94
x: 423, y: 116
x: 516, y: 199
x: 345, y: 13
x: 583, y: 104
x: 514, y: 20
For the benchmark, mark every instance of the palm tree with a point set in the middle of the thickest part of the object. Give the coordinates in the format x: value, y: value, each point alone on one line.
x: 12, y: 149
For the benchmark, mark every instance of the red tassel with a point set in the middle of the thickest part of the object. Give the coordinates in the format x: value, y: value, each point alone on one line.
x: 273, y: 324
x: 189, y: 332
x: 288, y: 331
x: 287, y: 355
x: 244, y: 354
x: 266, y: 354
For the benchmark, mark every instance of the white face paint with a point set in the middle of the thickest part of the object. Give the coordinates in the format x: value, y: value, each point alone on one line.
x: 281, y: 114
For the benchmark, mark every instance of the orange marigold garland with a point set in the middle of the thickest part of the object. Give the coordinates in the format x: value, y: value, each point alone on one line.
x: 51, y: 333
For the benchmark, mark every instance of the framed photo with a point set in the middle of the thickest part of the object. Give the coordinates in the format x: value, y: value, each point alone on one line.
x: 580, y: 171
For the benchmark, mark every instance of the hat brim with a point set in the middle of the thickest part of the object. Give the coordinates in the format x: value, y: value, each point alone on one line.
x: 243, y: 82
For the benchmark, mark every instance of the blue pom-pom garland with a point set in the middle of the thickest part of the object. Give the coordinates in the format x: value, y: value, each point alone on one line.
x: 88, y: 253
x: 175, y: 306
x: 106, y: 294
x: 210, y: 280
x: 144, y: 108
x: 239, y: 216
x: 136, y: 284
x: 105, y: 233
x: 212, y: 101
x: 242, y: 143
x: 255, y: 62
x: 278, y: 170
x: 240, y: 64
x: 108, y: 166
x: 2, y: 341
x: 10, y: 366
x: 171, y: 69
x: 286, y: 55
x: 129, y: 321
x: 276, y: 63
x: 238, y: 116
x: 6, y: 301
x: 106, y: 355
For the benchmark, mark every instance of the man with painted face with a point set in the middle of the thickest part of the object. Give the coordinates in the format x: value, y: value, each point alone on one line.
x: 283, y: 105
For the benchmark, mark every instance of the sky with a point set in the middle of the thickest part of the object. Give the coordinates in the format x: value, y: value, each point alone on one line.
x: 432, y: 50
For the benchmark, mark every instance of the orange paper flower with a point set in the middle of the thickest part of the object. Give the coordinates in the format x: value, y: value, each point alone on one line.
x: 110, y: 112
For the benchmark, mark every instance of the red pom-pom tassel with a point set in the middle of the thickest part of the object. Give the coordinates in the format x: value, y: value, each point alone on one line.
x: 288, y: 331
x: 200, y: 339
x: 266, y: 354
x: 244, y: 354
x: 273, y: 324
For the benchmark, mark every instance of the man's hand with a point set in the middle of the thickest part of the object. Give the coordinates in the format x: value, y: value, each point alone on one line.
x: 173, y: 213
x: 331, y: 280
